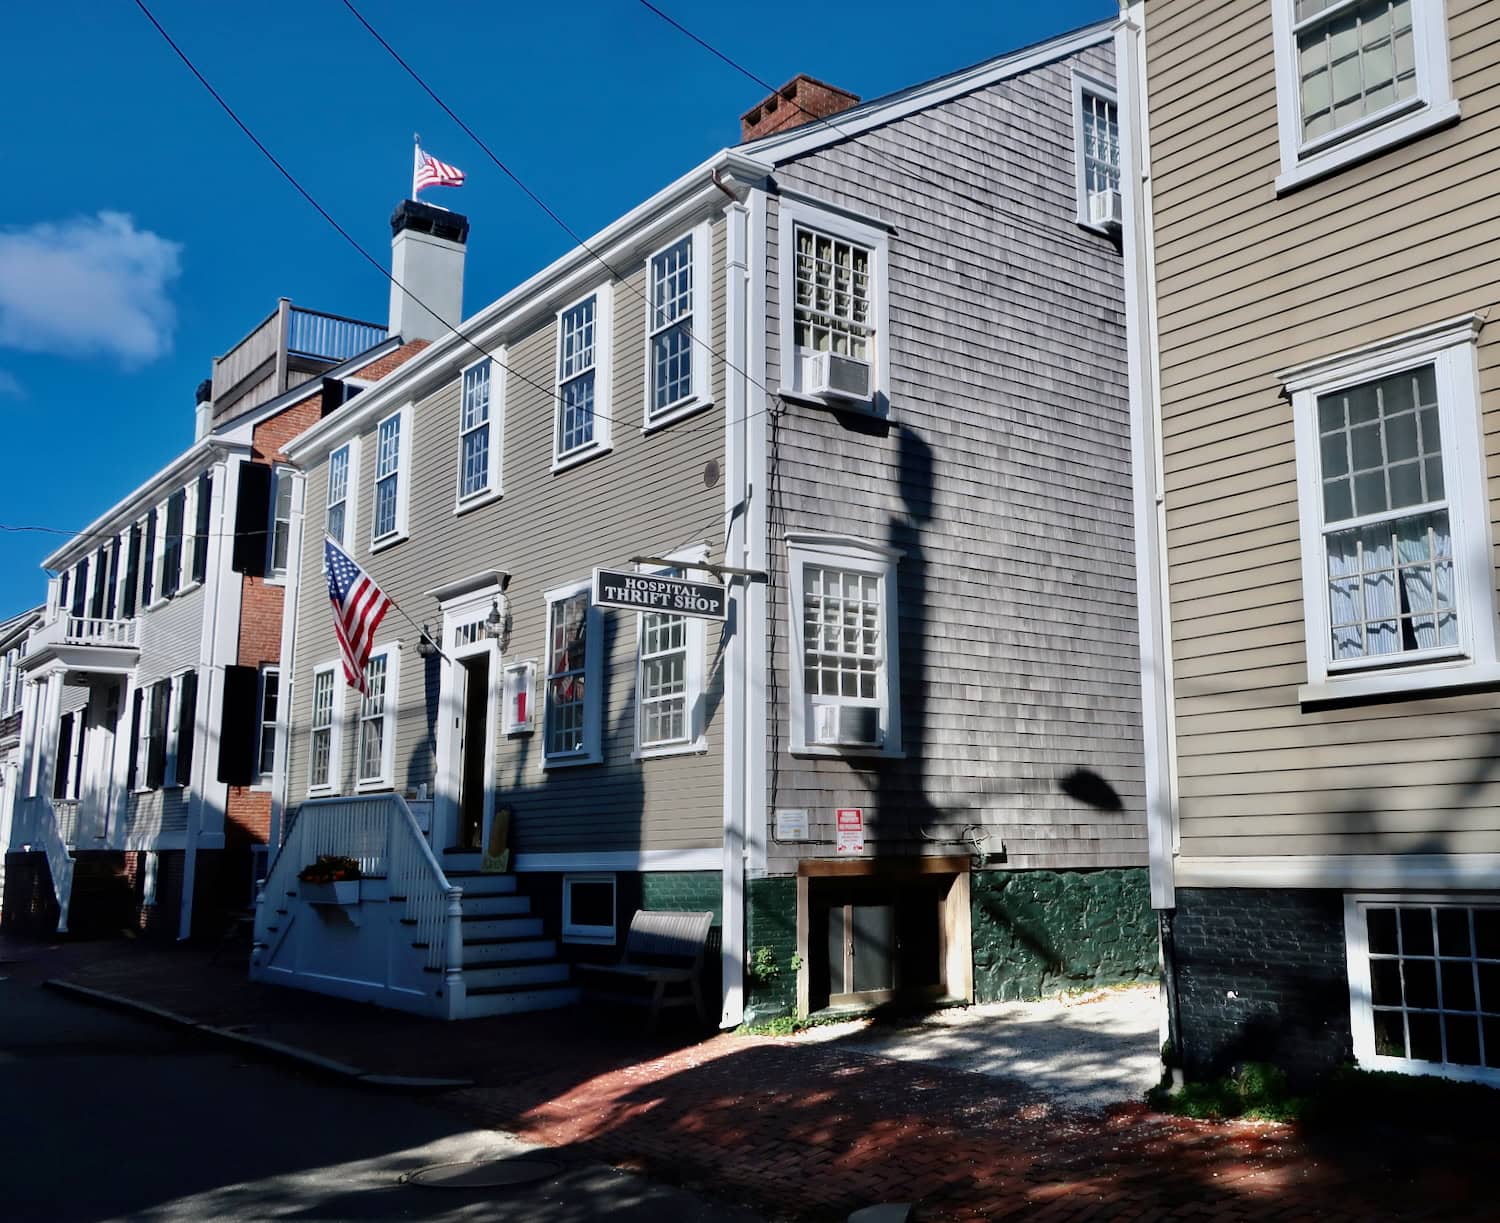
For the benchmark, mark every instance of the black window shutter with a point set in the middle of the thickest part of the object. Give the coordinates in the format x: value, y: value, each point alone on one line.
x: 113, y: 578
x: 148, y: 559
x: 101, y: 583
x: 252, y: 517
x: 187, y: 721
x: 200, y: 528
x: 238, y: 741
x: 135, y: 737
x: 64, y: 754
x: 132, y: 573
x: 156, y: 758
x: 171, y: 573
x: 80, y: 587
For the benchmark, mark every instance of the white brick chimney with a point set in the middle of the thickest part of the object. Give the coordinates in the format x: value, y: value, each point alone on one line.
x: 427, y: 263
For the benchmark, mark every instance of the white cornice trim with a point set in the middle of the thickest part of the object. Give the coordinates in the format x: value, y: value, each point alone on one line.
x: 189, y: 462
x: 729, y: 170
x: 1409, y: 345
x: 810, y: 137
x: 1403, y: 872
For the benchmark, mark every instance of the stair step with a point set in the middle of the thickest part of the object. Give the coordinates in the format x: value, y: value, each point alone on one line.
x: 476, y: 883
x: 481, y: 927
x: 515, y: 1002
x: 510, y: 976
x: 499, y: 951
x: 504, y: 905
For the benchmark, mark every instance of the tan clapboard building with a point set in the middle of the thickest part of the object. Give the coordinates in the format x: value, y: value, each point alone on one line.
x: 1317, y: 379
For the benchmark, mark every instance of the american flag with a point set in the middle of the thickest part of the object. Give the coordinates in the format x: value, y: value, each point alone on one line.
x: 358, y: 607
x: 430, y: 172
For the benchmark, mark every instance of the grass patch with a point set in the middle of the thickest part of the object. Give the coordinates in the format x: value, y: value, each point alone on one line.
x: 1256, y: 1091
x: 790, y: 1025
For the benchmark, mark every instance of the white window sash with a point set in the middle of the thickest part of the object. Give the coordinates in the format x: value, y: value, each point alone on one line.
x: 1450, y: 348
x: 492, y: 426
x: 852, y: 555
x: 698, y: 315
x: 572, y: 931
x: 391, y: 652
x: 350, y: 501
x: 333, y: 730
x: 694, y: 649
x: 398, y: 470
x: 600, y: 369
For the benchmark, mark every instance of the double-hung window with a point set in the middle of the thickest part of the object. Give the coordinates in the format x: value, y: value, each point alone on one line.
x: 572, y: 697
x: 1395, y: 540
x: 338, y: 514
x: 377, y: 718
x: 678, y: 346
x: 1354, y: 76
x: 479, y: 433
x: 282, y: 483
x: 669, y: 682
x: 323, y: 762
x: 392, y: 467
x: 844, y: 680
x: 270, y: 700
x: 582, y: 422
x: 833, y: 308
x: 1096, y: 137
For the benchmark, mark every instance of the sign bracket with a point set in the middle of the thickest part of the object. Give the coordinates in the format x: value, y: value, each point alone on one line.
x: 719, y: 571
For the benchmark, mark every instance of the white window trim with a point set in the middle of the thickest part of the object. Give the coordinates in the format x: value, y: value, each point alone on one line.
x: 702, y: 345
x: 279, y: 472
x: 1083, y: 85
x: 391, y: 651
x: 142, y: 762
x: 185, y: 555
x: 335, y: 734
x: 1433, y: 105
x: 1361, y: 1008
x: 460, y: 612
x: 403, y: 480
x: 263, y: 780
x: 158, y: 560
x: 494, y: 486
x: 844, y: 552
x: 794, y: 212
x: 1451, y: 348
x: 170, y: 780
x: 696, y: 646
x: 573, y: 933
x: 593, y: 675
x: 603, y: 379
x: 351, y: 496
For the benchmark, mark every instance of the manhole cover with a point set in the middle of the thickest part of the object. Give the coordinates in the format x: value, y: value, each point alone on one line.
x: 484, y: 1174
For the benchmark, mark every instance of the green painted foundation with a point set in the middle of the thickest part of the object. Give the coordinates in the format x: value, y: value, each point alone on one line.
x: 771, y: 944
x: 1039, y: 932
x: 683, y: 891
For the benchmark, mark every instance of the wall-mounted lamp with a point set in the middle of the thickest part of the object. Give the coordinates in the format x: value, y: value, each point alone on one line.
x: 494, y: 623
x: 427, y: 647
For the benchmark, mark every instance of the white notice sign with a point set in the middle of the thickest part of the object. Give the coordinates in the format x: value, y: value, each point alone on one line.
x: 850, y: 822
x: 791, y: 825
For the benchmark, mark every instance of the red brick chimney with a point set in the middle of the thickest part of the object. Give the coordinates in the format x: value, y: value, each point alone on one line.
x: 801, y: 100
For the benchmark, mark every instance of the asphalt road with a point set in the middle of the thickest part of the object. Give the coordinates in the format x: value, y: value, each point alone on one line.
x: 107, y: 1117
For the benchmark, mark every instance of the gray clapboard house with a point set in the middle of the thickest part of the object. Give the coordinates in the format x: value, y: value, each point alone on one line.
x: 870, y: 363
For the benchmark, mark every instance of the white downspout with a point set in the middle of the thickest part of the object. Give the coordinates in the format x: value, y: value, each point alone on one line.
x: 737, y: 492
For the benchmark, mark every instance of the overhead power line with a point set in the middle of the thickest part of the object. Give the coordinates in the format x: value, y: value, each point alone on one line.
x: 550, y: 392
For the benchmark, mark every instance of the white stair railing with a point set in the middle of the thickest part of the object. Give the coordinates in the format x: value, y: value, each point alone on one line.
x: 42, y: 830
x: 381, y: 834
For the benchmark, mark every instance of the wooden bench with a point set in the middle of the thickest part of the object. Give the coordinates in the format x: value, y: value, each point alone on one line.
x: 664, y: 950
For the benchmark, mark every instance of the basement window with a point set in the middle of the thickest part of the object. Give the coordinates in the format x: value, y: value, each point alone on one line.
x: 588, y: 909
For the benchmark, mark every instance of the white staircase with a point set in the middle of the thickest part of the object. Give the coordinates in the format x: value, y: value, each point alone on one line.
x: 509, y: 965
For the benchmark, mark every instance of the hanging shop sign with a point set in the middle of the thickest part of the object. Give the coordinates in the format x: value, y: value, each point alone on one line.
x: 850, y: 825
x: 650, y: 592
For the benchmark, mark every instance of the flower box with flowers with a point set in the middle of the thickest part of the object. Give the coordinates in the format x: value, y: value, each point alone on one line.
x: 331, y: 880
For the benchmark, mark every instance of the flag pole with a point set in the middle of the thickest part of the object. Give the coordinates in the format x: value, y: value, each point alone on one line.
x: 416, y: 162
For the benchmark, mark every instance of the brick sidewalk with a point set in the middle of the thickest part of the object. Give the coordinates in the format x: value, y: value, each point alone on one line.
x: 805, y: 1131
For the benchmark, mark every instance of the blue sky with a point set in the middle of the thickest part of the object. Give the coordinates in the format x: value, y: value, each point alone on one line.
x: 142, y: 234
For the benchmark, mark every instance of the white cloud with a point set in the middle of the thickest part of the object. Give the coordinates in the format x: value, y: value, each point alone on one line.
x: 10, y: 386
x: 90, y: 286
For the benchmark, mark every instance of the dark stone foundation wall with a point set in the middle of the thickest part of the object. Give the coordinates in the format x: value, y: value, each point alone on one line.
x: 1262, y: 976
x: 1038, y: 932
x: 771, y: 922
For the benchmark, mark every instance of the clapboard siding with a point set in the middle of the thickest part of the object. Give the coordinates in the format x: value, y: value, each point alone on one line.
x: 1249, y: 284
x: 647, y: 496
x: 1004, y: 478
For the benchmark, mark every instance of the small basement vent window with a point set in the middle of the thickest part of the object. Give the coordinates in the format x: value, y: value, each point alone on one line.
x: 1425, y: 987
x: 588, y: 909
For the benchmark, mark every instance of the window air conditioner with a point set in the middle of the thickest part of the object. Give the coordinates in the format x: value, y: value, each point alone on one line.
x: 836, y: 377
x: 1105, y: 210
x: 846, y: 726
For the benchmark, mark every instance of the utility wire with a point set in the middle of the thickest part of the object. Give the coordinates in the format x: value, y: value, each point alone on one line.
x: 578, y: 238
x: 1020, y: 220
x: 548, y: 391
